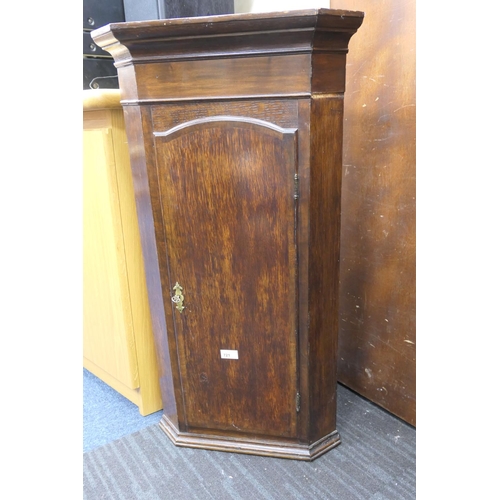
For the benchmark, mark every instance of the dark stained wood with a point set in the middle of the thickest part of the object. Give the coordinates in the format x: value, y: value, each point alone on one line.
x: 236, y: 121
x: 213, y: 78
x: 146, y: 198
x: 230, y: 225
x: 325, y: 184
x: 328, y: 75
x: 377, y: 338
x: 282, y: 112
x: 229, y: 35
x: 266, y: 54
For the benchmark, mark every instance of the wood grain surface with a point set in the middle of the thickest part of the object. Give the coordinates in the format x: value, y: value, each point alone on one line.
x: 230, y: 224
x: 377, y: 337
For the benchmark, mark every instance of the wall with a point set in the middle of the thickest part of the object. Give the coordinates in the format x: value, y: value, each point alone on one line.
x: 241, y: 6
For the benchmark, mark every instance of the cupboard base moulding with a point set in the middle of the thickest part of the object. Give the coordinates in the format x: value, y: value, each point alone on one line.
x: 259, y: 446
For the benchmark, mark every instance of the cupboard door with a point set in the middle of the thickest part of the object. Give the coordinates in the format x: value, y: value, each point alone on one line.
x: 227, y: 194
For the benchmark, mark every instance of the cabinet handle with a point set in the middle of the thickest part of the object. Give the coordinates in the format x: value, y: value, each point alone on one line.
x: 178, y: 298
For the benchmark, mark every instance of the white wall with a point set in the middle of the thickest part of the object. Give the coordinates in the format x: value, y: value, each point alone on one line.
x: 278, y: 5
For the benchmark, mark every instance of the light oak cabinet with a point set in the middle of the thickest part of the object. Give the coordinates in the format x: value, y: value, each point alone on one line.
x: 235, y: 131
x: 118, y: 345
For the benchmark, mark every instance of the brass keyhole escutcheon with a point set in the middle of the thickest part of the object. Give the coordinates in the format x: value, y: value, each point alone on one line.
x: 178, y: 298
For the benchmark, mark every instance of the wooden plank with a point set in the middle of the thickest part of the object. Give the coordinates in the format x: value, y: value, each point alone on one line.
x: 377, y: 309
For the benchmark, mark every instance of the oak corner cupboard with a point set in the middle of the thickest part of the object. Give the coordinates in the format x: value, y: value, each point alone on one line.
x: 234, y: 125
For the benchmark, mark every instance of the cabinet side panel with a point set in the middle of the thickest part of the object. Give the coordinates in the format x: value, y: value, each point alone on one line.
x: 325, y: 189
x: 136, y: 116
x: 147, y: 366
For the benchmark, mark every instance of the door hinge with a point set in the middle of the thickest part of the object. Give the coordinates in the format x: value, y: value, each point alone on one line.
x: 297, y: 402
x: 296, y: 184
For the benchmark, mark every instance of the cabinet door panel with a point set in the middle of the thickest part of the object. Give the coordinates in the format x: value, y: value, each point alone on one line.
x: 227, y: 196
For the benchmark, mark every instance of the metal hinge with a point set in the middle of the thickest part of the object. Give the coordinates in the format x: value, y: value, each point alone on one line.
x: 296, y: 193
x: 297, y: 402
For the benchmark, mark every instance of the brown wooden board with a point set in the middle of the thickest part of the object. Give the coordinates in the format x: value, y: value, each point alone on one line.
x: 377, y: 270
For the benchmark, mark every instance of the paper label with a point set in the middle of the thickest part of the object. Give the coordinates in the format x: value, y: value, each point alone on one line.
x: 228, y: 354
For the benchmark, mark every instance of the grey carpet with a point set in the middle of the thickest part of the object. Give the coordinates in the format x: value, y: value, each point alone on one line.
x: 375, y: 461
